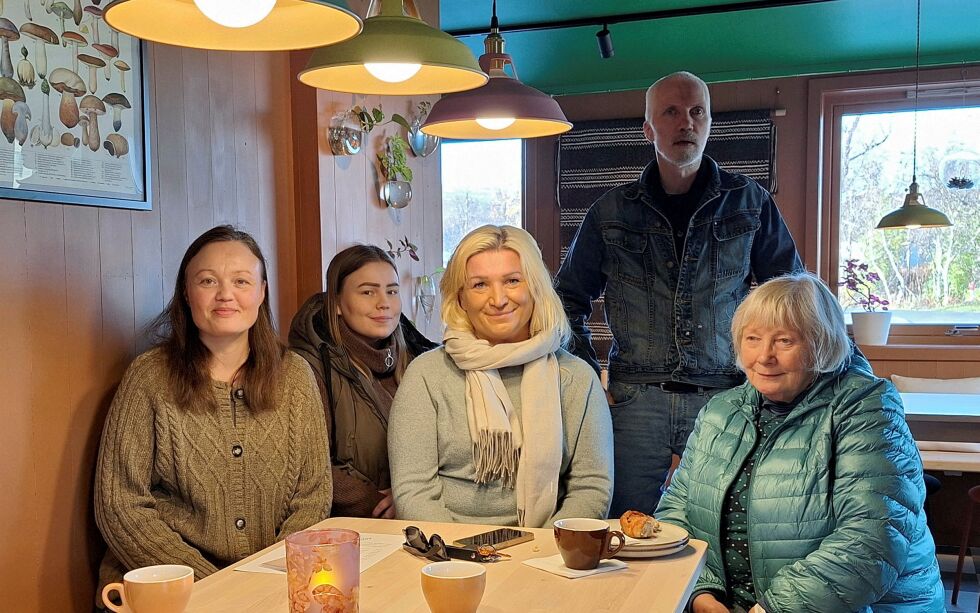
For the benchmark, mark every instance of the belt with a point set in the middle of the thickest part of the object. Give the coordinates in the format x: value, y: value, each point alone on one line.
x: 676, y: 387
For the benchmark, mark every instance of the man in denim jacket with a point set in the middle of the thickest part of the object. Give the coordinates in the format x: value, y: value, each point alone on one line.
x: 675, y: 252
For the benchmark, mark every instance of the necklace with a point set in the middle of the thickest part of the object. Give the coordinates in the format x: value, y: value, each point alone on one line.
x: 389, y: 358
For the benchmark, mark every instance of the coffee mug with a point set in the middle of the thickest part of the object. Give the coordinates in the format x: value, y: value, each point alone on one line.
x: 153, y: 589
x: 453, y: 587
x: 583, y: 542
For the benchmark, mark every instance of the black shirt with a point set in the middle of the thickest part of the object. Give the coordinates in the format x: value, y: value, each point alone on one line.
x: 680, y: 208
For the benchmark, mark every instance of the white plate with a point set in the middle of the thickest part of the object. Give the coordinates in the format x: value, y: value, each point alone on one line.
x: 668, y: 535
x: 650, y: 553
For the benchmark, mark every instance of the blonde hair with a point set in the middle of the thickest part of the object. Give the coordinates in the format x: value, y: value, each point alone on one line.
x: 548, y: 313
x: 802, y: 303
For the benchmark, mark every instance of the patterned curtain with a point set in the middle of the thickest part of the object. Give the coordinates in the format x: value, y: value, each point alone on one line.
x: 597, y: 156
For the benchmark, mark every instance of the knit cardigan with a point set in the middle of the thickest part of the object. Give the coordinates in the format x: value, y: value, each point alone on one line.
x: 207, y: 488
x: 431, y: 452
x: 835, y: 506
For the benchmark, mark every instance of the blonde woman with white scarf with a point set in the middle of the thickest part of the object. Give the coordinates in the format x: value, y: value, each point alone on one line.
x: 501, y: 425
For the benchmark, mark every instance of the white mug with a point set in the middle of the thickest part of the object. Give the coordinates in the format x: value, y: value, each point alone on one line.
x: 152, y: 589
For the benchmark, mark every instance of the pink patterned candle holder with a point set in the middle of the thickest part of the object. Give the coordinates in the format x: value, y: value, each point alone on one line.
x: 323, y: 571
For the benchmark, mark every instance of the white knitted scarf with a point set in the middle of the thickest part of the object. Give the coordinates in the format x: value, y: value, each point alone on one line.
x: 498, y: 434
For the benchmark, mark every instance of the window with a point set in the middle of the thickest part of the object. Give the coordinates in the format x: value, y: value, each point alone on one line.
x: 481, y: 184
x: 927, y: 275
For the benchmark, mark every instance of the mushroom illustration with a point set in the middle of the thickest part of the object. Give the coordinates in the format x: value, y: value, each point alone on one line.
x: 70, y: 140
x: 42, y: 36
x: 8, y: 32
x: 69, y: 85
x: 76, y: 13
x: 27, y: 9
x: 92, y: 107
x: 83, y: 123
x: 95, y: 15
x: 23, y: 122
x: 93, y: 64
x: 118, y: 102
x: 116, y: 144
x: 43, y: 134
x: 10, y: 93
x: 108, y: 52
x: 123, y: 68
x: 63, y: 12
x: 76, y: 40
x: 25, y: 70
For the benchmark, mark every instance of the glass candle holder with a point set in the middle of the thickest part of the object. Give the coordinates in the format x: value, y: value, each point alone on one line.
x: 323, y: 571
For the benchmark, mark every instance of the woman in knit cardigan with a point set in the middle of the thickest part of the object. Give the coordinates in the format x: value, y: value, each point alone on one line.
x: 358, y: 343
x: 501, y: 426
x: 215, y: 444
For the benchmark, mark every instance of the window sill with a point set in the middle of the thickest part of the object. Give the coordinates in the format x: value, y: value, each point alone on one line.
x: 919, y: 352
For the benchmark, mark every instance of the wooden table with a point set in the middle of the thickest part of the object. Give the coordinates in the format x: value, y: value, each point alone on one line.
x: 393, y: 585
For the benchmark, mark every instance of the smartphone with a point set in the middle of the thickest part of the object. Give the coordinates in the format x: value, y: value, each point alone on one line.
x: 500, y: 538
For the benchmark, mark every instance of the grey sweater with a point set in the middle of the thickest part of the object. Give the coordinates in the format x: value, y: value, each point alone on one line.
x: 431, y: 453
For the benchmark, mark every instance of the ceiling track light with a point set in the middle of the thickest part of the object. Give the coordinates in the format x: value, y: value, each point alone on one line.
x: 914, y: 213
x: 503, y: 108
x: 604, y: 38
x: 222, y: 25
x: 396, y: 54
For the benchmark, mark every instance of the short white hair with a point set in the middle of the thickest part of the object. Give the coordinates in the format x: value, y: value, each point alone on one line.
x: 681, y: 75
x: 802, y: 303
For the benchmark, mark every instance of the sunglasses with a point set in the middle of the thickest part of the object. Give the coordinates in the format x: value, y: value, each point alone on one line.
x: 435, y: 548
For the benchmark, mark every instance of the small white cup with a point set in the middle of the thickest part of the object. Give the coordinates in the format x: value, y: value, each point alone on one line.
x: 453, y: 587
x: 153, y: 589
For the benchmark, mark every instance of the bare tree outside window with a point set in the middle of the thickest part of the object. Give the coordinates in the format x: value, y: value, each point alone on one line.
x: 928, y: 275
x: 481, y: 184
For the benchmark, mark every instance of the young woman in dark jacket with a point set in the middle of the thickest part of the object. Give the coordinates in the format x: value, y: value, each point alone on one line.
x: 358, y: 342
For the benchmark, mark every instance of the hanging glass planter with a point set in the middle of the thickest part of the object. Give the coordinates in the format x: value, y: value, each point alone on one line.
x: 344, y: 134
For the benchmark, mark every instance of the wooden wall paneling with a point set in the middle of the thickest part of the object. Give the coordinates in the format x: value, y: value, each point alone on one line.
x: 118, y: 308
x: 327, y: 107
x: 222, y: 130
x: 429, y: 232
x: 171, y: 160
x: 364, y: 211
x: 18, y: 556
x: 310, y: 189
x: 349, y: 201
x: 48, y: 304
x: 278, y: 200
x: 89, y: 395
x: 197, y: 146
x: 246, y: 154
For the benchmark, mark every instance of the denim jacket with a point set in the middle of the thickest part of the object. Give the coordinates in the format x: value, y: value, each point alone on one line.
x: 671, y: 319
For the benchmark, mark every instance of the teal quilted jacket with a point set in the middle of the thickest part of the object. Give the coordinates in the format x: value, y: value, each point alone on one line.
x: 835, y: 518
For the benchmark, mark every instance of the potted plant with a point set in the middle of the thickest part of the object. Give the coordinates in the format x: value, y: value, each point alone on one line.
x: 870, y: 325
x: 393, y: 161
x: 345, y: 133
x: 422, y: 144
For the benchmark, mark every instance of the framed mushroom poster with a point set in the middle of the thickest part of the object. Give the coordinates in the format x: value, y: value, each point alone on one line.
x: 73, y: 116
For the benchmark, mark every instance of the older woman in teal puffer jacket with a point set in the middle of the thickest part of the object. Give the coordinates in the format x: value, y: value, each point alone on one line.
x: 805, y: 480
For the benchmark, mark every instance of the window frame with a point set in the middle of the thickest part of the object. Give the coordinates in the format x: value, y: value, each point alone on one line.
x: 829, y: 99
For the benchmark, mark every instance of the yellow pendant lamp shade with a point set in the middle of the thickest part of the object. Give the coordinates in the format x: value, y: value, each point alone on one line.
x: 292, y: 24
x: 397, y: 55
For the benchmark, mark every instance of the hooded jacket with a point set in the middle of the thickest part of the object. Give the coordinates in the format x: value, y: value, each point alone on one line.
x: 357, y: 428
x: 835, y: 504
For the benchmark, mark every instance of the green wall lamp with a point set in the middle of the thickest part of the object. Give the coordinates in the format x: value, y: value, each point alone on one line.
x: 207, y: 24
x: 914, y: 213
x: 397, y: 54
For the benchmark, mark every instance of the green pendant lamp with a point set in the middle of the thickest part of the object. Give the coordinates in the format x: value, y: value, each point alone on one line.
x: 397, y: 54
x: 503, y: 108
x: 914, y: 213
x: 239, y: 25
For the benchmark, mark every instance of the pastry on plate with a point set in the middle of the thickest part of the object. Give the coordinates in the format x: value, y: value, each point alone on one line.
x: 639, y: 525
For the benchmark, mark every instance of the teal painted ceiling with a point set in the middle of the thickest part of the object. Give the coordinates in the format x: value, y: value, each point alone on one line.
x: 828, y: 37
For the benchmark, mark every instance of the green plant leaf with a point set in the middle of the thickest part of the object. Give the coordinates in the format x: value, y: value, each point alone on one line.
x: 401, y: 121
x: 378, y: 114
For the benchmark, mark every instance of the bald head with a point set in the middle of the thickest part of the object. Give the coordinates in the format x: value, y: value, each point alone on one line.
x: 682, y: 78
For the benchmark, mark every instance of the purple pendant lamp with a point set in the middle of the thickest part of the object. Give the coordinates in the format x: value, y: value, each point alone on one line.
x: 503, y: 108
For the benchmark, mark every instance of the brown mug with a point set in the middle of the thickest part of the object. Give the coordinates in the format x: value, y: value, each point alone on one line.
x: 583, y: 542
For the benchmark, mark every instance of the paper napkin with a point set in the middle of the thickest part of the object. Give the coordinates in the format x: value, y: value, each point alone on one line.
x: 555, y: 565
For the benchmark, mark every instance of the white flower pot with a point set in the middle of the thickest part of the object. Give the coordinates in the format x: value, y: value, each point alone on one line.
x: 871, y: 328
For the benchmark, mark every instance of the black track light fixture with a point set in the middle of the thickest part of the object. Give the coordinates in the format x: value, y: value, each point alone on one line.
x: 604, y: 38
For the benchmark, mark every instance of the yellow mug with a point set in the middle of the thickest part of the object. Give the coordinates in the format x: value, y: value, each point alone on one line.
x: 152, y: 589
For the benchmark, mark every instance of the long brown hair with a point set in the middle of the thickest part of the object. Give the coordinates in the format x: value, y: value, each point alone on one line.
x: 344, y: 264
x: 188, y: 359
